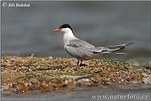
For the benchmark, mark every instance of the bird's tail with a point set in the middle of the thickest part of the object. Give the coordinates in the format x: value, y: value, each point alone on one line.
x: 116, y: 49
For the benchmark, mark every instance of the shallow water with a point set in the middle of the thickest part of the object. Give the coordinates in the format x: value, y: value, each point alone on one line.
x: 131, y: 92
x: 29, y: 30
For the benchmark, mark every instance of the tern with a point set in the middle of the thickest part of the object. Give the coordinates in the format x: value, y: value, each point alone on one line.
x: 82, y: 50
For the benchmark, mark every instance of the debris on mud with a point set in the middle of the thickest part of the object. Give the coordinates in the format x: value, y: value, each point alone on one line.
x: 22, y: 74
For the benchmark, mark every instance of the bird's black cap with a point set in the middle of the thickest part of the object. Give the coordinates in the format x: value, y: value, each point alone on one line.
x: 65, y: 26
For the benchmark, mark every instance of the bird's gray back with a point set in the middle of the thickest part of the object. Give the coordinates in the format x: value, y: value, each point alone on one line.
x: 79, y: 49
x: 80, y: 43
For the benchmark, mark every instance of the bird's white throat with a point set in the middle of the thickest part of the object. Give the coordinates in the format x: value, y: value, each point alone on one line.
x: 67, y: 36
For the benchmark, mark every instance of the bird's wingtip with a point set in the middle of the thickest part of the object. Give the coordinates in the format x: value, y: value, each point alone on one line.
x: 130, y: 43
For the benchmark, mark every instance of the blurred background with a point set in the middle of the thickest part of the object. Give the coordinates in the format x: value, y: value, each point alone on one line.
x: 27, y: 30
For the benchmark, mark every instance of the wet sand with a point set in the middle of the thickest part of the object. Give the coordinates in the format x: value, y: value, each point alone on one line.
x: 130, y: 92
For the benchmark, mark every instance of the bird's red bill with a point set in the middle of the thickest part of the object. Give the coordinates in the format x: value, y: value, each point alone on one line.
x: 57, y: 30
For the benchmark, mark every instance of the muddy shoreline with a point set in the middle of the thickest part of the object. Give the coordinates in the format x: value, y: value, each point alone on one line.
x: 23, y: 74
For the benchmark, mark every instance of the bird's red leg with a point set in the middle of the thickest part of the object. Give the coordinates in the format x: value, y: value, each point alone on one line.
x: 81, y: 63
x: 78, y: 63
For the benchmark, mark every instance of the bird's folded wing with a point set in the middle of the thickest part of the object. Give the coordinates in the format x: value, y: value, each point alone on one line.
x: 80, y: 43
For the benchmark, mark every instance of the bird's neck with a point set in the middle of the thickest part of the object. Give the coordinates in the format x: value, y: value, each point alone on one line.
x: 68, y: 36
